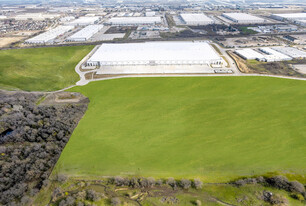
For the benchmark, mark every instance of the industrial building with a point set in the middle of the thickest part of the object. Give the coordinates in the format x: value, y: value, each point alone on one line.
x: 155, y: 53
x: 290, y: 16
x: 35, y: 16
x: 273, y: 55
x: 301, y: 22
x: 132, y: 21
x: 243, y: 18
x: 84, y: 21
x: 267, y: 55
x: 250, y: 54
x: 150, y: 13
x: 49, y: 36
x: 86, y: 33
x: 291, y: 51
x: 196, y: 19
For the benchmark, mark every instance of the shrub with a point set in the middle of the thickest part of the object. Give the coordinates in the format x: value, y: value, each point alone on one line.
x: 171, y: 182
x: 278, y: 200
x: 198, y: 184
x: 297, y: 196
x: 61, y: 178
x: 93, y: 195
x: 120, y: 181
x: 198, y: 202
x: 159, y: 182
x: 151, y: 181
x: 185, y: 184
x: 296, y: 186
x: 115, y: 201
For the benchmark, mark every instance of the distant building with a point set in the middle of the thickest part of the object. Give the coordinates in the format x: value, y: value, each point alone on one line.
x: 35, y: 16
x: 84, y: 21
x: 243, y: 18
x: 85, y: 34
x: 290, y: 16
x: 155, y: 53
x: 301, y: 22
x: 291, y: 51
x: 150, y: 13
x: 49, y: 36
x: 267, y: 55
x: 196, y: 19
x: 134, y: 21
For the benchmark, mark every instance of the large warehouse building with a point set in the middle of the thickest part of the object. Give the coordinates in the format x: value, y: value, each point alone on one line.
x: 196, y: 19
x: 155, y: 53
x: 49, y: 36
x: 290, y: 16
x: 131, y: 21
x: 243, y: 18
x: 83, y: 21
x: 267, y: 55
x: 86, y: 33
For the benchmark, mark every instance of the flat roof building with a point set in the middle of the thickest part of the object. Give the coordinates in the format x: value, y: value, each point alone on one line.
x: 131, y: 21
x: 273, y: 55
x: 196, y: 19
x: 243, y: 18
x: 289, y: 16
x: 49, y: 36
x: 35, y: 16
x: 155, y: 53
x: 86, y: 33
x: 250, y: 54
x: 291, y: 51
x: 83, y: 21
x: 150, y: 13
x: 267, y: 55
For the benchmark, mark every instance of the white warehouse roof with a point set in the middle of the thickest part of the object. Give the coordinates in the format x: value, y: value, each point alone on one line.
x: 196, y: 19
x: 274, y: 55
x: 243, y: 18
x: 85, y: 20
x: 249, y: 54
x: 161, y: 53
x: 291, y: 16
x: 36, y: 16
x: 291, y: 51
x: 85, y: 33
x: 134, y: 20
x: 49, y: 36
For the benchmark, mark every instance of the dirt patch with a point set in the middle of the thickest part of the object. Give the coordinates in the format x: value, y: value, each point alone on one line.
x: 115, y: 29
x: 284, y: 68
x: 241, y: 63
x: 7, y: 41
x: 64, y: 98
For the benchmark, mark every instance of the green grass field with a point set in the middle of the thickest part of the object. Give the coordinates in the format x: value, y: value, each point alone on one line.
x: 214, y: 128
x: 40, y: 69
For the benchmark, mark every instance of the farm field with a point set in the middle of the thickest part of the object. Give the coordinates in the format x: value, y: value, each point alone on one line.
x: 40, y: 69
x: 213, y: 128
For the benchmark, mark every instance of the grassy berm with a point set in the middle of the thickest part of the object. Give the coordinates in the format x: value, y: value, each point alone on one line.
x: 40, y: 69
x: 212, y: 128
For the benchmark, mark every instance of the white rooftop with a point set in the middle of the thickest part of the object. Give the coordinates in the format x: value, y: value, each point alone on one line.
x: 249, y: 54
x: 49, y: 35
x: 135, y: 20
x: 189, y: 17
x: 85, y: 20
x: 291, y: 51
x: 162, y: 52
x: 243, y: 17
x: 275, y: 55
x: 292, y: 15
x: 86, y: 32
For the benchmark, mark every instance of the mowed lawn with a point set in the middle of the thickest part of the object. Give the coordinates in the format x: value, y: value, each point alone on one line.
x: 214, y: 128
x: 40, y: 69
